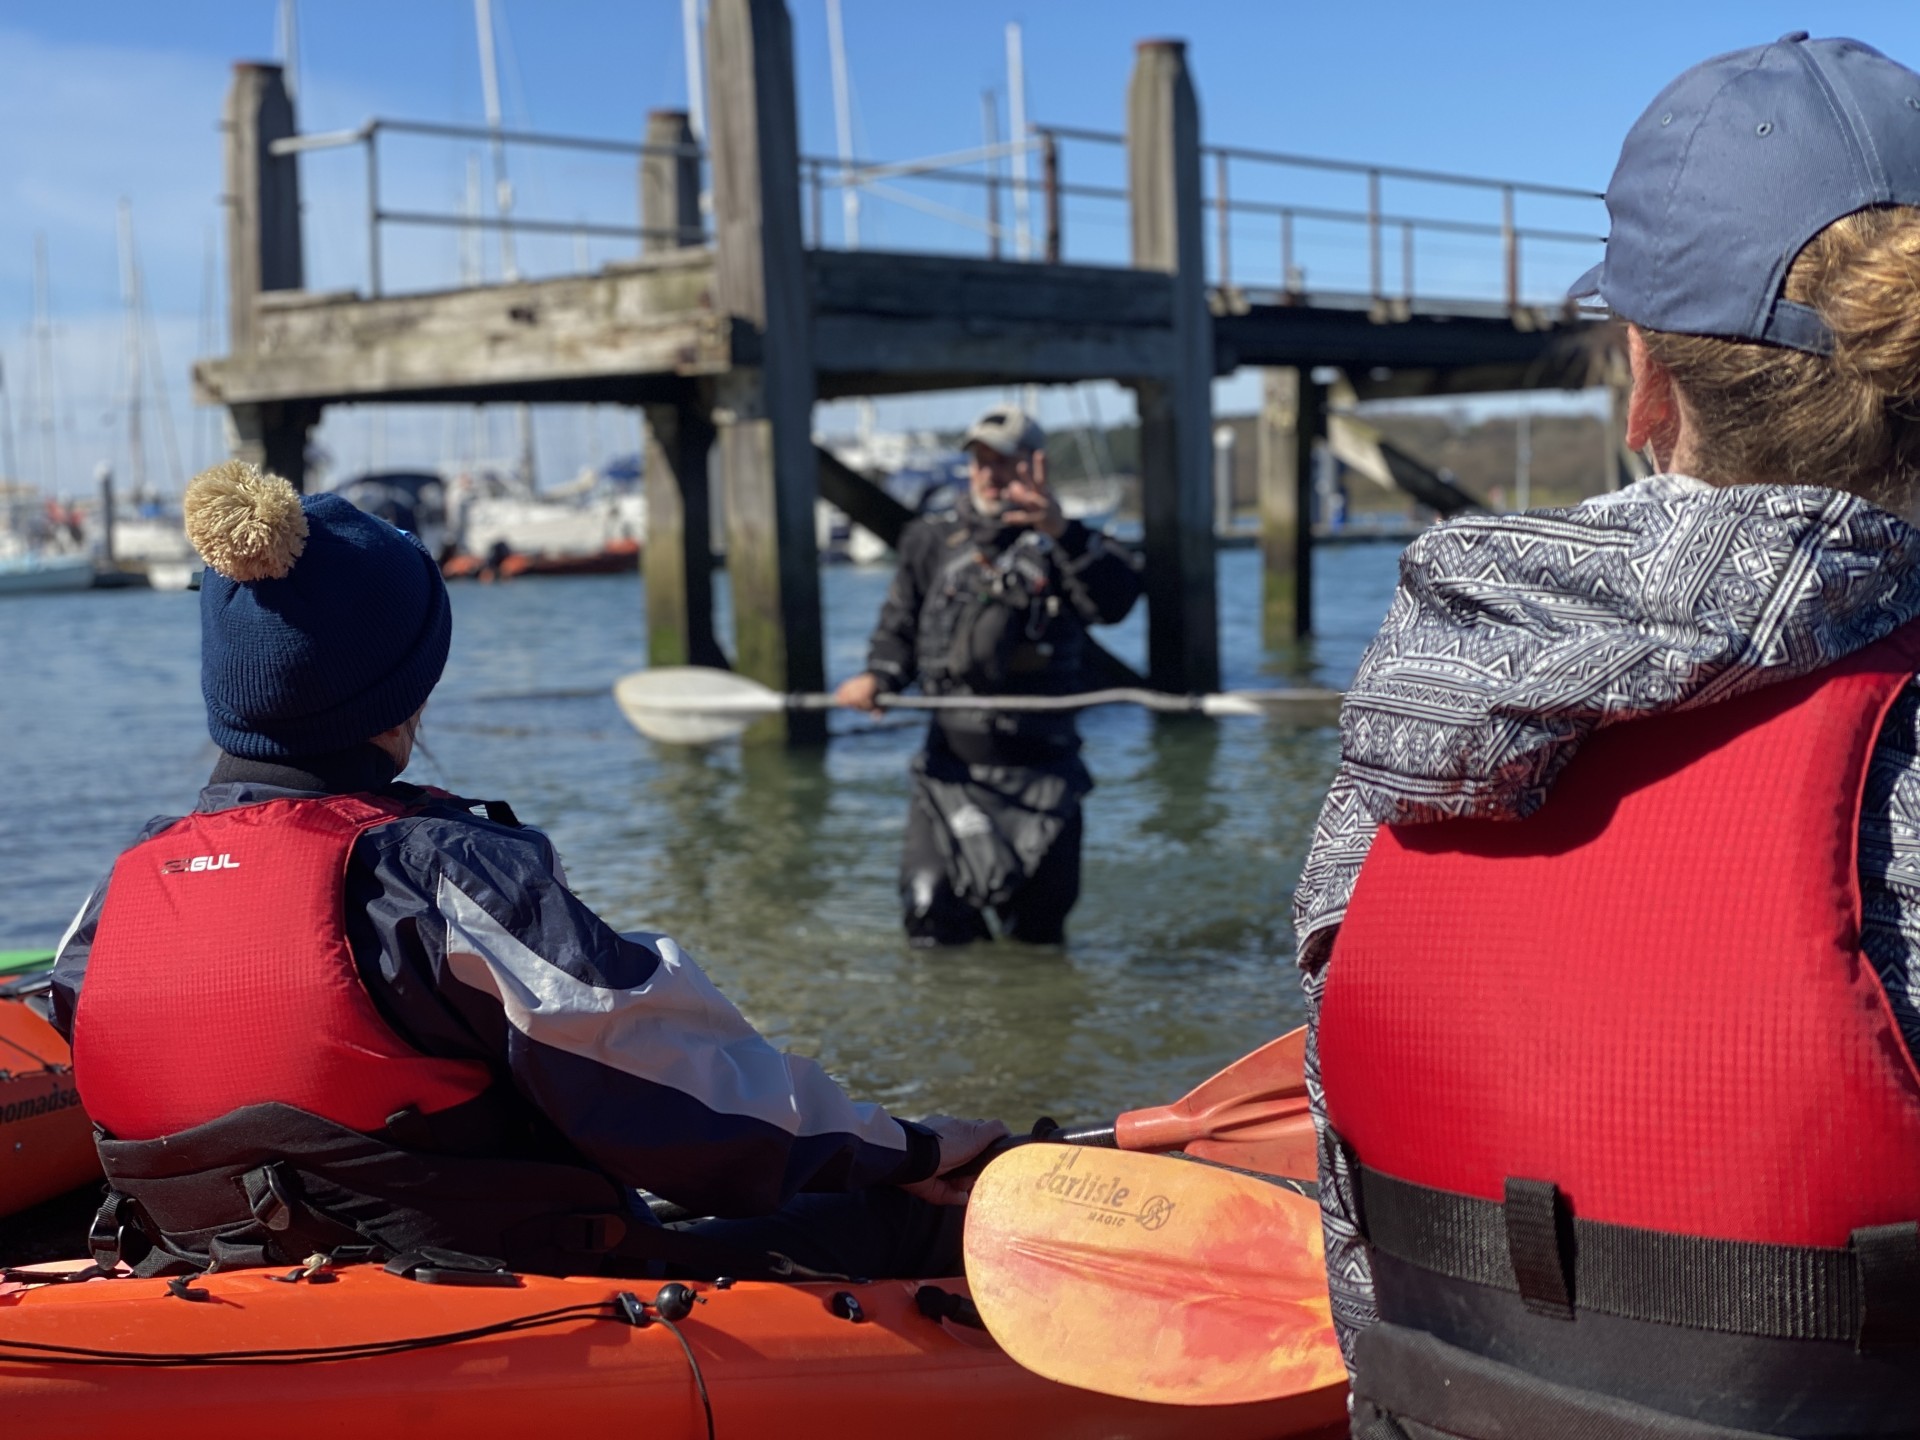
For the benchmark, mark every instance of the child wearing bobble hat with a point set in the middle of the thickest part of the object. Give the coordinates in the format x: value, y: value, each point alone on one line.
x: 331, y: 1011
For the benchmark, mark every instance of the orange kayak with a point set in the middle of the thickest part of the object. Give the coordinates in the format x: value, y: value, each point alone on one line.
x: 46, y: 1142
x: 378, y: 1353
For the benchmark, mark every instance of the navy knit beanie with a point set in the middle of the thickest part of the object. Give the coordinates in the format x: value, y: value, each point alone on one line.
x: 320, y: 625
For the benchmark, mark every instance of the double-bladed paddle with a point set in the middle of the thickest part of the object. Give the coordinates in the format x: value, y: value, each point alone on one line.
x: 1154, y: 1277
x: 1252, y: 1115
x: 693, y: 705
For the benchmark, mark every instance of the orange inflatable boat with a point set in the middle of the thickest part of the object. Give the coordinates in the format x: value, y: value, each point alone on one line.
x: 46, y: 1143
x: 365, y: 1352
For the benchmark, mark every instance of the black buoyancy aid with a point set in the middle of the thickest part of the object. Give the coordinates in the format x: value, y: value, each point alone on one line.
x: 253, y: 1107
x: 1632, y: 1133
x: 1003, y: 620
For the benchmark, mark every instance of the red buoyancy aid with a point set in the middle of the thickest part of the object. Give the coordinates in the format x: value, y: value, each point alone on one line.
x: 1636, y: 1025
x: 1649, y: 992
x: 221, y: 977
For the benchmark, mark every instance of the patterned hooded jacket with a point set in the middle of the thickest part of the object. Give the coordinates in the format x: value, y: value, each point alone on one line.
x: 1512, y: 639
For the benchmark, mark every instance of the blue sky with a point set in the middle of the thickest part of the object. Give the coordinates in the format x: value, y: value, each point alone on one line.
x: 112, y: 98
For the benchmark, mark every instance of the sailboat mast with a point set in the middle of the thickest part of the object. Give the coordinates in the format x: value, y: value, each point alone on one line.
x: 136, y: 381
x: 490, y: 91
x: 6, y: 427
x: 43, y: 369
x: 843, y: 124
x: 1017, y: 123
x: 696, y: 70
x: 502, y: 200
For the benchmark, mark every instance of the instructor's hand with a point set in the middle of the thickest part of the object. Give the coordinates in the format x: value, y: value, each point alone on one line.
x: 862, y: 692
x: 960, y: 1141
x: 1031, y: 502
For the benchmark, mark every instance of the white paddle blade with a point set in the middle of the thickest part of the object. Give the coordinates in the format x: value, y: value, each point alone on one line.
x: 692, y: 705
x: 1305, y: 708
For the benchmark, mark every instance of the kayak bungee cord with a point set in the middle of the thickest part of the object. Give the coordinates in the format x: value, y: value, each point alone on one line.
x: 626, y: 1308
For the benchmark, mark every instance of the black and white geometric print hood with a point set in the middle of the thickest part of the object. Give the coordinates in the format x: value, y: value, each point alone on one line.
x: 1512, y: 639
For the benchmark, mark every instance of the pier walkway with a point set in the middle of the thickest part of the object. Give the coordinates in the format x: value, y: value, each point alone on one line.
x: 729, y: 325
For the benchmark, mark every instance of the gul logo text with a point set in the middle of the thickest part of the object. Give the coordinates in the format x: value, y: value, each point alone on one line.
x: 1106, y: 1200
x: 198, y: 863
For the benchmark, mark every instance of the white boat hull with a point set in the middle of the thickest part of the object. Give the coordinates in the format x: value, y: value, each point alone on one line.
x: 36, y: 574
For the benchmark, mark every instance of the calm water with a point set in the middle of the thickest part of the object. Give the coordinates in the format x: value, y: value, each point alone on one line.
x: 777, y: 871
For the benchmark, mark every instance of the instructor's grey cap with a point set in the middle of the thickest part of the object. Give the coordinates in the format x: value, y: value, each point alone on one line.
x: 1735, y: 167
x: 1006, y: 430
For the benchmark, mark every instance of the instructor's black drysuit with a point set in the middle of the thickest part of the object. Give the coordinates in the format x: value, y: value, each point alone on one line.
x: 980, y: 608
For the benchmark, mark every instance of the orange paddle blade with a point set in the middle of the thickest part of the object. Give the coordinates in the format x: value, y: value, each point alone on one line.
x: 1253, y: 1114
x: 1151, y: 1277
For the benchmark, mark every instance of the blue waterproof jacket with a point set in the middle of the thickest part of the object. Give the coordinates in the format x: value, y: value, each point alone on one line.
x: 472, y: 947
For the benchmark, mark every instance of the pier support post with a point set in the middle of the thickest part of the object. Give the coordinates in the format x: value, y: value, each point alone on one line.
x: 1293, y: 416
x: 263, y: 252
x: 1176, y: 419
x: 274, y: 437
x: 765, y: 413
x: 678, y: 565
x: 669, y: 184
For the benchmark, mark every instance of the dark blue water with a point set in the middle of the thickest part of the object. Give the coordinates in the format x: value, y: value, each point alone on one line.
x: 776, y: 870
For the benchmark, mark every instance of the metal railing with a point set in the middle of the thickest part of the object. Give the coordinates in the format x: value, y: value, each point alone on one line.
x: 820, y: 173
x: 1375, y: 219
x: 981, y: 171
x: 368, y: 136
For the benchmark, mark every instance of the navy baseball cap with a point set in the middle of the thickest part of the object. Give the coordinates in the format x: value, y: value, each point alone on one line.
x: 1735, y: 167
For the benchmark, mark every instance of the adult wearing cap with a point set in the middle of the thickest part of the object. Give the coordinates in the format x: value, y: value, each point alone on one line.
x: 332, y: 1012
x: 995, y: 600
x: 1612, y: 919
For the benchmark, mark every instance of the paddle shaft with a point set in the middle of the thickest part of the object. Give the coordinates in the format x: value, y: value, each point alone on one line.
x: 1160, y: 700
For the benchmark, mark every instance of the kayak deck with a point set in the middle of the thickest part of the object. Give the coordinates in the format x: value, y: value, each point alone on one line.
x: 550, y: 1355
x: 46, y: 1141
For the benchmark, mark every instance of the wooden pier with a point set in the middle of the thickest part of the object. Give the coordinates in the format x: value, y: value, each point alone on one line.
x: 726, y: 343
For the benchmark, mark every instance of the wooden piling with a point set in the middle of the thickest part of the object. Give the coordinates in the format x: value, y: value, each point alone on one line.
x: 669, y: 184
x: 1293, y: 415
x: 1176, y: 419
x: 678, y: 566
x: 263, y: 253
x: 765, y: 412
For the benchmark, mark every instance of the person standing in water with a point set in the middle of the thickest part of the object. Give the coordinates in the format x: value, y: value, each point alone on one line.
x: 995, y: 600
x: 1611, y: 922
x: 329, y: 1009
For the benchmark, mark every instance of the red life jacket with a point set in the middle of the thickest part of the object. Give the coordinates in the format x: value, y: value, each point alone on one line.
x: 220, y: 977
x: 1623, y: 1064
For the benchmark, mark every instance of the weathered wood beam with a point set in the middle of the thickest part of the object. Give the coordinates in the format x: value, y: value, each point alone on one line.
x: 879, y: 282
x: 1176, y: 413
x: 1294, y: 335
x: 765, y: 413
x: 874, y: 354
x: 1569, y: 360
x: 497, y: 342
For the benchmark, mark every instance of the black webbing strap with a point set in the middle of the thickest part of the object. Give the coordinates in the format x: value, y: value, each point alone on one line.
x: 1427, y: 1388
x: 1889, y: 1259
x: 1867, y: 1294
x: 1539, y: 1246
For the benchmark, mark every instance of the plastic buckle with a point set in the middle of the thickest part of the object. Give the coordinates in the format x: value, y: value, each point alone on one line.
x: 430, y: 1265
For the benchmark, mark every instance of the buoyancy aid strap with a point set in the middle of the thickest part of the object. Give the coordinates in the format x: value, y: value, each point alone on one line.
x: 1410, y: 1384
x: 1867, y: 1294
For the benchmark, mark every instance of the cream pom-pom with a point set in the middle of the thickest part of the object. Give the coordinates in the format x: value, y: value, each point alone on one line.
x: 245, y: 523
